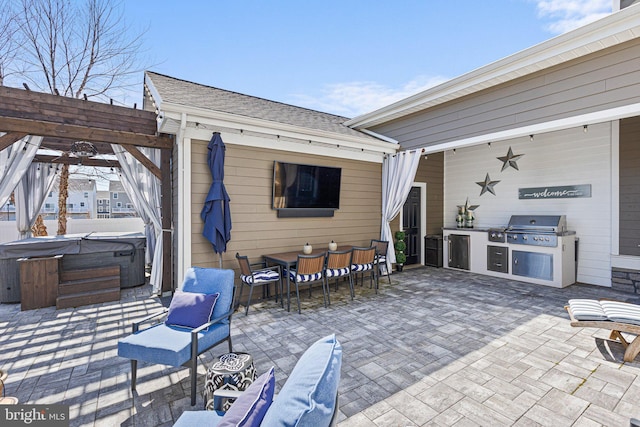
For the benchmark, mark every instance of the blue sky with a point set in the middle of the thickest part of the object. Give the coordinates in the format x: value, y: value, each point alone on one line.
x: 345, y: 57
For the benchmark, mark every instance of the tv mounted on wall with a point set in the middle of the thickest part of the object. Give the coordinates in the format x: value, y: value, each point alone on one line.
x: 305, y: 190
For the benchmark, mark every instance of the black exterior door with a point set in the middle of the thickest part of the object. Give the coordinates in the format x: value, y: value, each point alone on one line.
x: 411, y: 224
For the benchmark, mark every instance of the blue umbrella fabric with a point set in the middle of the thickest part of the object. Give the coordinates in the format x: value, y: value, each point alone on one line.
x: 215, y: 212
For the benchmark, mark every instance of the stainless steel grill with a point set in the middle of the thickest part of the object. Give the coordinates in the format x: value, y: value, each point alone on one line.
x: 537, y: 230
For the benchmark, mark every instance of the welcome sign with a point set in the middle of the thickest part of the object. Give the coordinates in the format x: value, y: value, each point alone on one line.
x: 561, y: 192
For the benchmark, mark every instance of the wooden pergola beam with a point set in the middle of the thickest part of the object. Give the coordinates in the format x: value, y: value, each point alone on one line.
x: 83, y: 133
x: 9, y: 138
x: 66, y: 160
x: 137, y: 154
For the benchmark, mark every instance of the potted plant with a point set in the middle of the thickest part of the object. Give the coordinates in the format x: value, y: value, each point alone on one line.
x: 400, y: 246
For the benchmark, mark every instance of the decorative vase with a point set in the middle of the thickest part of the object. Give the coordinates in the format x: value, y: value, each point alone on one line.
x: 307, y: 249
x: 333, y: 246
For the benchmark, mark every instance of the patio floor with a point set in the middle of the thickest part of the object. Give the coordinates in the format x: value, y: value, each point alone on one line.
x: 435, y: 348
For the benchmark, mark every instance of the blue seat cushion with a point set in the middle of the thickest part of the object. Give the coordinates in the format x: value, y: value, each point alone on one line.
x: 299, y: 278
x: 199, y: 418
x: 337, y: 272
x: 308, y: 397
x: 260, y: 276
x: 380, y: 259
x: 168, y: 345
x: 362, y: 267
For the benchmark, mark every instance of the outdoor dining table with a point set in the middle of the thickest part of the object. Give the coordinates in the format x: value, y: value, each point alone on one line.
x: 288, y: 259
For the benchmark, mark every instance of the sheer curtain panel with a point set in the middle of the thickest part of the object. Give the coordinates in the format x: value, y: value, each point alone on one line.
x: 14, y: 161
x: 398, y: 173
x: 30, y: 194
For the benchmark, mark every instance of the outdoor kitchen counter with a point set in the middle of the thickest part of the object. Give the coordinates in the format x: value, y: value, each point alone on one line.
x: 563, y: 255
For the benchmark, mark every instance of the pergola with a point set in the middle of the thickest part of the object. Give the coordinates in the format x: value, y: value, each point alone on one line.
x: 63, y: 121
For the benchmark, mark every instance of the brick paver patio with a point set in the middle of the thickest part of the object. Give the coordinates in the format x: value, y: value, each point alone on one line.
x: 435, y: 348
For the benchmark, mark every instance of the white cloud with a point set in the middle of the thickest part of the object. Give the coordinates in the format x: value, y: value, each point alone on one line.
x: 567, y: 15
x: 354, y: 98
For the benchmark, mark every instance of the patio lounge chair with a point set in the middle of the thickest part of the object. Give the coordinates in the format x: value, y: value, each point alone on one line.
x: 197, y: 320
x: 615, y: 316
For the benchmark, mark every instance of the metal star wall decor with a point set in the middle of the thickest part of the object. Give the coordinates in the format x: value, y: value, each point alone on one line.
x: 487, y: 185
x: 510, y: 160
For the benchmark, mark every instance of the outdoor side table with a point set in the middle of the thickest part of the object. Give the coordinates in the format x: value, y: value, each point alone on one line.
x: 232, y: 371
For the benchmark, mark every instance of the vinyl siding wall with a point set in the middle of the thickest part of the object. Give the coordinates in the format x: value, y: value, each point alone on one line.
x: 256, y: 229
x: 568, y: 157
x: 602, y: 80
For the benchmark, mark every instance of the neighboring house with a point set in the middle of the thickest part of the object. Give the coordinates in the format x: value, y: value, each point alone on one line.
x: 119, y: 202
x: 570, y: 108
x: 81, y: 199
x: 256, y: 133
x: 103, y: 204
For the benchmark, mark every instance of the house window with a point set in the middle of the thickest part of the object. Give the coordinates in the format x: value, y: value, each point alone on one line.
x: 129, y: 206
x: 86, y: 195
x: 115, y: 195
x: 99, y: 201
x: 119, y: 204
x: 48, y: 206
x: 51, y: 194
x: 82, y: 204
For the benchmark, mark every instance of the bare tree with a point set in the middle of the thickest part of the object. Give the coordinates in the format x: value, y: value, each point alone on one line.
x: 76, y: 49
x: 8, y: 38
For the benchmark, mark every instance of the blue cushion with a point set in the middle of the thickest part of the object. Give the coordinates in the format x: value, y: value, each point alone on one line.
x: 199, y: 418
x: 337, y: 272
x: 168, y: 345
x: 261, y: 276
x: 622, y: 312
x: 248, y: 410
x: 308, y: 397
x: 191, y: 309
x: 210, y: 281
x: 587, y: 309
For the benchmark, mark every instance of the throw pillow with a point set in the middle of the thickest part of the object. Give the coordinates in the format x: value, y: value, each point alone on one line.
x: 248, y: 410
x: 308, y: 397
x: 191, y: 309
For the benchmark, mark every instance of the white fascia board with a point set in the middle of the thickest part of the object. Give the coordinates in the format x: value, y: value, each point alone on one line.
x: 617, y: 113
x: 614, y: 29
x: 216, y: 118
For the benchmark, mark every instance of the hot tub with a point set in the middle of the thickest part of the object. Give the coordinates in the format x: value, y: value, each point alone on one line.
x: 80, y: 251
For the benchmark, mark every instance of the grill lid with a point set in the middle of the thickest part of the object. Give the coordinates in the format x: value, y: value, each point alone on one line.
x: 538, y: 223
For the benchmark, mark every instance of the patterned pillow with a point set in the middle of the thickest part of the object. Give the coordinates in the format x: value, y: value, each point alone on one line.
x: 191, y: 309
x: 260, y: 276
x: 249, y: 409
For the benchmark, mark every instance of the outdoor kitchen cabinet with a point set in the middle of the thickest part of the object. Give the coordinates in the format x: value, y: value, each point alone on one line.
x: 562, y: 257
x: 459, y: 251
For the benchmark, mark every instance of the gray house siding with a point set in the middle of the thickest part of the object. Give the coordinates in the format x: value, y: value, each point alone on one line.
x: 603, y: 80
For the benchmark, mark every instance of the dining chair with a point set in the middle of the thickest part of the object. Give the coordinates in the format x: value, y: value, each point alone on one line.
x: 362, y: 261
x: 339, y: 265
x: 309, y: 269
x: 263, y: 276
x: 382, y: 247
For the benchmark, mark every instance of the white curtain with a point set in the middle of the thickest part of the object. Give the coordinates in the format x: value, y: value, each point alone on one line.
x: 398, y: 173
x: 143, y: 189
x: 30, y: 194
x: 14, y: 161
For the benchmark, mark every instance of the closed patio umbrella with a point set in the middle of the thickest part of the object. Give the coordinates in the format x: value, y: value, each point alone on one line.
x: 215, y: 212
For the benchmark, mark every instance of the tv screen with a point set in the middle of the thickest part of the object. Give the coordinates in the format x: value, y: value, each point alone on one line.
x: 305, y: 186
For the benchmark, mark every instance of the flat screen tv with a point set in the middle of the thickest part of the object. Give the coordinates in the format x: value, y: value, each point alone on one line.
x: 305, y: 187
